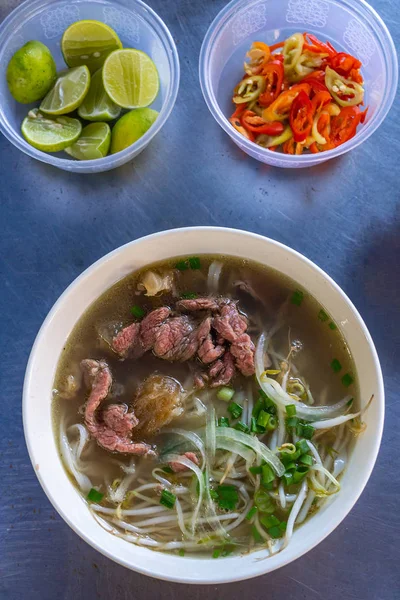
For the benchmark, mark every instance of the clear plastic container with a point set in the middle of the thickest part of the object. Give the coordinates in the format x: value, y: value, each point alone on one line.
x: 137, y: 25
x: 350, y: 25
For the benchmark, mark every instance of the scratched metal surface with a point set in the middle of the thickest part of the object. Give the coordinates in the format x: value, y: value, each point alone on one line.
x: 343, y: 215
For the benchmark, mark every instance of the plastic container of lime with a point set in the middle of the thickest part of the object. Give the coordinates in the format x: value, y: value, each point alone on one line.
x: 136, y: 24
x: 350, y: 25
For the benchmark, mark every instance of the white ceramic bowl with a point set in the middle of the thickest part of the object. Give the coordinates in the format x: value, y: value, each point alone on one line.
x: 85, y: 290
x: 137, y: 25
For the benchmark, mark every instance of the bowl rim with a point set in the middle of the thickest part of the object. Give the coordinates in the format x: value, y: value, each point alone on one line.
x: 390, y: 55
x: 214, y: 577
x: 113, y: 160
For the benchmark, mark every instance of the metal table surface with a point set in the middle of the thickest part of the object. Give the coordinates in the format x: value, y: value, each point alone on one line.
x: 344, y: 215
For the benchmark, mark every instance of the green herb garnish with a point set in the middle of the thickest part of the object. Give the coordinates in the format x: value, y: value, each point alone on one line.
x: 347, y: 379
x: 297, y: 297
x: 95, y: 496
x: 189, y: 295
x: 235, y: 410
x: 332, y: 326
x: 291, y: 410
x: 227, y: 496
x: 322, y: 316
x: 240, y: 426
x: 336, y: 365
x: 167, y: 499
x: 223, y: 422
x: 194, y: 263
x: 138, y: 311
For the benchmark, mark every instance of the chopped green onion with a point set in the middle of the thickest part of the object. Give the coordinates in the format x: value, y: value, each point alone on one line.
x: 306, y: 459
x: 322, y: 316
x: 189, y: 295
x: 297, y: 297
x: 216, y: 553
x: 256, y: 470
x: 350, y: 402
x: 274, y: 532
x: 167, y: 499
x: 95, y: 496
x: 228, y: 496
x: 272, y: 424
x: 227, y: 551
x: 299, y: 474
x: 263, y: 418
x: 254, y: 427
x: 267, y: 474
x: 269, y: 521
x: 181, y: 552
x: 291, y: 410
x: 282, y: 525
x: 167, y: 469
x: 256, y: 535
x: 225, y: 393
x: 194, y: 263
x: 138, y: 311
x: 259, y: 405
x: 307, y: 431
x: 291, y: 466
x: 240, y: 426
x: 182, y: 265
x: 264, y: 502
x: 302, y: 446
x: 268, y: 486
x: 336, y: 366
x: 347, y: 380
x: 251, y: 513
x: 288, y: 478
x: 235, y: 410
x: 292, y: 422
x: 332, y: 326
x: 223, y: 422
x: 288, y: 457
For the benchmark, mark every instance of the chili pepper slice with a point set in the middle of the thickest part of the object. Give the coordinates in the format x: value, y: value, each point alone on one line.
x: 292, y: 147
x: 279, y: 110
x: 319, y: 100
x: 249, y: 89
x: 273, y: 73
x: 301, y: 116
x: 235, y: 121
x: 344, y: 91
x: 276, y: 46
x: 258, y: 55
x: 344, y: 63
x: 344, y: 126
x: 313, y: 44
x: 256, y: 124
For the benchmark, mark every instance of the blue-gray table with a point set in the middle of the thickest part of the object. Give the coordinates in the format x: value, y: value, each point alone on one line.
x: 344, y: 215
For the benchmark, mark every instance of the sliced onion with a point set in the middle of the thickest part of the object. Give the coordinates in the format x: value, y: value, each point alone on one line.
x: 210, y: 434
x: 191, y: 436
x: 282, y: 398
x: 254, y: 443
x: 232, y: 446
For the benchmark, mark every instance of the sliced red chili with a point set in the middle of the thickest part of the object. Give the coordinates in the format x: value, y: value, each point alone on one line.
x: 344, y: 63
x: 255, y: 124
x: 276, y: 46
x: 344, y: 125
x: 320, y: 99
x: 314, y: 148
x: 274, y: 74
x: 236, y: 122
x: 301, y: 116
x: 313, y: 44
x: 292, y: 147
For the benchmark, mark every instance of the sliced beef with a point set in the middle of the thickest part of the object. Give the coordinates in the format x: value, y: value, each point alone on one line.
x: 211, y: 304
x: 150, y: 326
x: 199, y: 380
x: 179, y: 468
x: 243, y: 350
x: 112, y: 432
x: 229, y: 323
x: 176, y: 339
x: 208, y: 352
x: 222, y: 371
x: 127, y: 342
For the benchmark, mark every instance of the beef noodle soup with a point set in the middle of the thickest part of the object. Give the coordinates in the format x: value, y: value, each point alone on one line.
x: 205, y: 404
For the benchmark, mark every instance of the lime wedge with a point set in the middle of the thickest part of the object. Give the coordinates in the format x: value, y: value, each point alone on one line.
x: 68, y: 92
x: 88, y: 43
x: 97, y: 106
x: 130, y: 78
x: 93, y: 142
x: 50, y: 134
x: 129, y: 128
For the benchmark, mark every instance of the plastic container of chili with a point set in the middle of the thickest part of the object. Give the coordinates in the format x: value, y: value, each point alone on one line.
x: 352, y: 26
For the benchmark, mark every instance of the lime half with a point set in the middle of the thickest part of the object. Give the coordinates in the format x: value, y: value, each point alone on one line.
x: 97, y: 106
x: 129, y: 128
x: 93, y: 142
x: 50, y: 134
x: 68, y: 92
x: 88, y: 43
x: 130, y: 78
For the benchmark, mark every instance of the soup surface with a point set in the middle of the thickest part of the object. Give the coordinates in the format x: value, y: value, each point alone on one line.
x: 205, y: 404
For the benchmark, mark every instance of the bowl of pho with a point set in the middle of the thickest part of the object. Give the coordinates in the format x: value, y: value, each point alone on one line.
x: 202, y: 394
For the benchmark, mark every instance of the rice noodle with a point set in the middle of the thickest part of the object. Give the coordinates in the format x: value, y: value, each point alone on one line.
x: 69, y: 460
